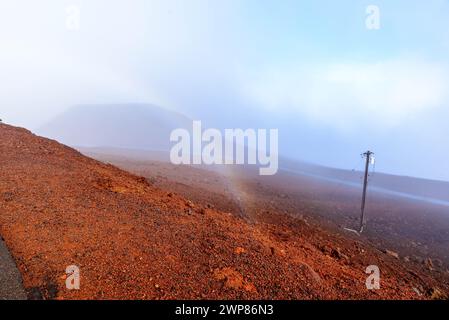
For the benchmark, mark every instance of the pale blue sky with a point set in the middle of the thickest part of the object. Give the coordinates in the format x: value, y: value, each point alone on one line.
x: 310, y: 68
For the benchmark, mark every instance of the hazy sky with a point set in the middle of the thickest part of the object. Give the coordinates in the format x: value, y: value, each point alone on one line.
x: 310, y: 68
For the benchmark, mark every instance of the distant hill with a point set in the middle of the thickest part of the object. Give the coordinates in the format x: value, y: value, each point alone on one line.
x: 418, y: 188
x: 134, y: 126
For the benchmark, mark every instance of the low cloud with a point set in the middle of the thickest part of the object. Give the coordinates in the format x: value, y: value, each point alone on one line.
x: 348, y: 95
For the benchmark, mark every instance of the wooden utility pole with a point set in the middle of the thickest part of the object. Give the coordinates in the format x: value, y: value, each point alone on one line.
x: 367, y: 155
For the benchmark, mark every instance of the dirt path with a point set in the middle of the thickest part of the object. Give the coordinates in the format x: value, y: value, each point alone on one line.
x: 10, y: 280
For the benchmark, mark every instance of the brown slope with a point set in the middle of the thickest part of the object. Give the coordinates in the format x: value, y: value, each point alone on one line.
x: 132, y: 240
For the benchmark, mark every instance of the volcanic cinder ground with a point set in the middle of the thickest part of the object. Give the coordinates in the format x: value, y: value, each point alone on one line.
x: 184, y: 233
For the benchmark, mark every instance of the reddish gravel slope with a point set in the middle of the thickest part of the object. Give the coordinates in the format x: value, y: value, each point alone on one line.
x: 132, y: 240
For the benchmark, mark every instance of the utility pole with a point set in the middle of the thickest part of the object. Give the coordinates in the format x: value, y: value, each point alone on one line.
x: 367, y: 155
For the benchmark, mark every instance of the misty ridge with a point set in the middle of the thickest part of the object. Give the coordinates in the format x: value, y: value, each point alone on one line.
x: 143, y: 131
x: 132, y: 126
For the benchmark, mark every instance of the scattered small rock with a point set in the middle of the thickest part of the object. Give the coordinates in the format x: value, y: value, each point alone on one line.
x: 326, y: 250
x: 232, y: 279
x: 437, y: 294
x: 239, y: 250
x: 315, y: 276
x: 417, y: 291
x: 336, y: 253
x: 428, y: 263
x: 392, y: 254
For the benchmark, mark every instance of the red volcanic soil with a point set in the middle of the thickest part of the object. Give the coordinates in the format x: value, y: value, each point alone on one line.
x: 134, y: 240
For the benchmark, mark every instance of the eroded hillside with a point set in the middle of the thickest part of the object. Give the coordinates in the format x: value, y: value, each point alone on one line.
x: 132, y: 240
